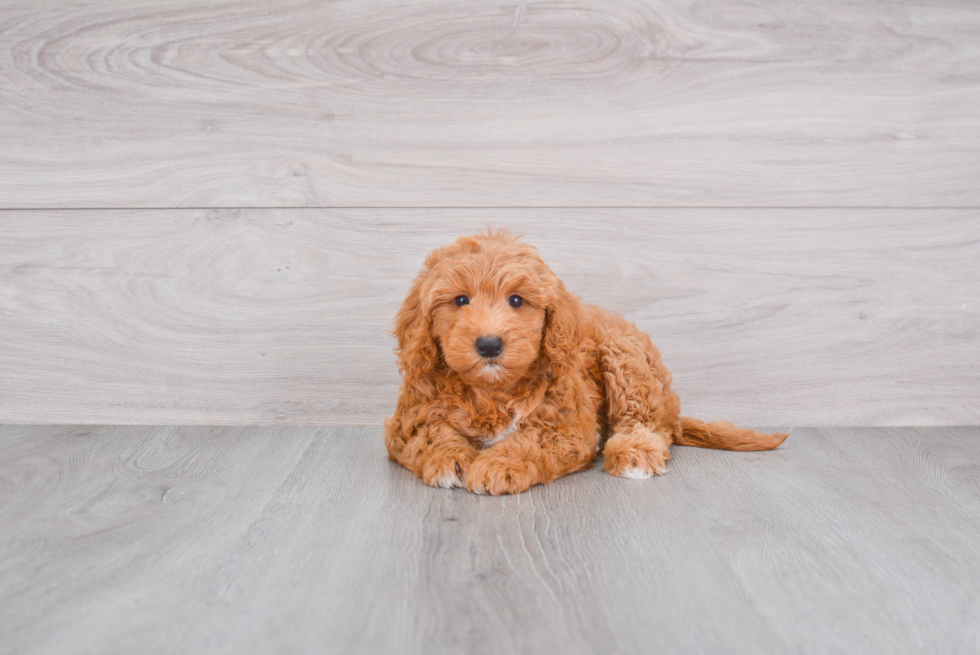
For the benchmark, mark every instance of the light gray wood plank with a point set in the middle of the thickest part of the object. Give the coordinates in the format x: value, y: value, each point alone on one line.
x: 101, y: 523
x: 463, y: 103
x: 282, y: 316
x: 883, y: 523
x: 547, y: 571
x: 298, y: 540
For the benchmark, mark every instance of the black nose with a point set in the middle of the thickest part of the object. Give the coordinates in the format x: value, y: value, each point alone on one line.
x: 489, y: 346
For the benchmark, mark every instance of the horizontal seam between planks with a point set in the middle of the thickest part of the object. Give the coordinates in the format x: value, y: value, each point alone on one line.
x: 498, y: 207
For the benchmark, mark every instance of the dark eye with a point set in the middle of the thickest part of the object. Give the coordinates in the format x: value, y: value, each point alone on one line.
x: 462, y: 300
x: 515, y: 301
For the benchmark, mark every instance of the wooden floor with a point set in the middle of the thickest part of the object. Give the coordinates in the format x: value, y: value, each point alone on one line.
x: 308, y: 540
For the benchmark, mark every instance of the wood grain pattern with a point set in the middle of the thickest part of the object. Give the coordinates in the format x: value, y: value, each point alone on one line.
x: 281, y: 316
x: 463, y: 103
x: 257, y: 540
x: 132, y: 515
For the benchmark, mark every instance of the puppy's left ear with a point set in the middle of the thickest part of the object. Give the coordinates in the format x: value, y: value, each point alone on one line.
x: 562, y: 330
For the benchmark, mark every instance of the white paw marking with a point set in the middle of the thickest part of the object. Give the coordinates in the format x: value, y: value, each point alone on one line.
x: 449, y: 481
x: 638, y: 473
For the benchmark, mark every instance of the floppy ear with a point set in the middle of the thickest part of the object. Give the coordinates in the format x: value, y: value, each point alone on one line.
x: 562, y: 331
x: 417, y: 351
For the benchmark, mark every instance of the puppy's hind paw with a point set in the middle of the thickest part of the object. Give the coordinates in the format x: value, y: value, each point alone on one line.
x: 638, y: 473
x: 639, y: 453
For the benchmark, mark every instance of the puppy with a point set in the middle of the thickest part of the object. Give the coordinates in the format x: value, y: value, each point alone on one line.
x: 509, y: 381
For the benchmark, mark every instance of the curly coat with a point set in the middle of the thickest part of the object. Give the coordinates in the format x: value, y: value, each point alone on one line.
x: 571, y: 379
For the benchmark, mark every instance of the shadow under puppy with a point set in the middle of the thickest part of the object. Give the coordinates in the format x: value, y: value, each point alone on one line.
x: 510, y: 381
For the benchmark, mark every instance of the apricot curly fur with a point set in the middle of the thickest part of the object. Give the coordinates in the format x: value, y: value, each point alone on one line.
x: 571, y: 379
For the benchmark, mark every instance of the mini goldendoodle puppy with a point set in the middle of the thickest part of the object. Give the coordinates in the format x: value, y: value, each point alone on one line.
x: 509, y: 381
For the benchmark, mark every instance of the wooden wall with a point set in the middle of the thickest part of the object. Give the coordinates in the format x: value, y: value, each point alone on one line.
x: 209, y: 212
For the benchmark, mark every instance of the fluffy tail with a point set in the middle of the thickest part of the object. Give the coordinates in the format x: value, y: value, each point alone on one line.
x: 722, y: 435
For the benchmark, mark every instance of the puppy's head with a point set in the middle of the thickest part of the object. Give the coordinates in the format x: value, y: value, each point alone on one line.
x: 488, y: 308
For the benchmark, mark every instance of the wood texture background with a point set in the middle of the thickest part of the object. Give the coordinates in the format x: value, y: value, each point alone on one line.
x: 785, y: 196
x: 264, y: 316
x: 308, y: 540
x: 468, y: 103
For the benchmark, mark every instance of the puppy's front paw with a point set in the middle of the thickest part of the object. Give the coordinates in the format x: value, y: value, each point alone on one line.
x: 447, y: 469
x: 638, y: 453
x: 497, y: 474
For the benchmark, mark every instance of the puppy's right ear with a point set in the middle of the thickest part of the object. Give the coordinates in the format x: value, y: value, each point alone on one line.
x: 417, y: 351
